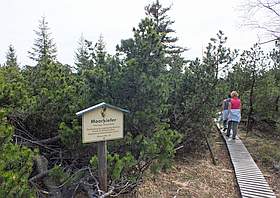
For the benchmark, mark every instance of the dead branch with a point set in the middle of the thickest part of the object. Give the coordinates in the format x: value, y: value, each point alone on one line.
x: 178, y: 148
x: 269, y: 7
x: 177, y: 192
x: 30, y: 142
x: 210, y: 149
x: 49, y: 140
x: 107, y: 194
x: 39, y: 176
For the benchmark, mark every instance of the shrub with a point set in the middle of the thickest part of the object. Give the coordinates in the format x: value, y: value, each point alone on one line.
x: 16, y: 164
x: 117, y: 166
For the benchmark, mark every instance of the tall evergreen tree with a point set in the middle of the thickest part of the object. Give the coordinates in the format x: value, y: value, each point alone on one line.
x: 44, y: 46
x: 82, y: 55
x: 11, y: 58
x: 89, y: 56
x: 158, y: 14
x: 143, y: 82
x: 173, y: 59
x: 99, y: 54
x: 99, y: 70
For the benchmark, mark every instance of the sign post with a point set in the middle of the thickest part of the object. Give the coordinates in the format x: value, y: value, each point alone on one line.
x: 102, y: 165
x: 100, y: 123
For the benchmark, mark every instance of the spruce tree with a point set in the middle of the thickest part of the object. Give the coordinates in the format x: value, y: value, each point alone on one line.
x: 82, y: 55
x: 11, y: 58
x: 99, y: 54
x: 158, y: 14
x: 44, y: 46
x: 89, y: 56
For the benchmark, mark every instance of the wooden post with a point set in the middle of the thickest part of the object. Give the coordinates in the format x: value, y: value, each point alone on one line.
x: 100, y: 123
x: 102, y: 165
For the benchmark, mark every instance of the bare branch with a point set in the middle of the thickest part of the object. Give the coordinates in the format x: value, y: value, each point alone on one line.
x: 49, y: 140
x: 269, y: 7
x: 263, y: 15
x: 27, y: 142
x: 39, y: 176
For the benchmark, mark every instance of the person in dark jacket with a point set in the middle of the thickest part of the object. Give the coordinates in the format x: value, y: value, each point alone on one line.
x: 226, y: 102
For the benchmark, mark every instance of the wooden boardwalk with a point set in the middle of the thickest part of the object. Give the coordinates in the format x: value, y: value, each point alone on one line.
x: 250, y: 179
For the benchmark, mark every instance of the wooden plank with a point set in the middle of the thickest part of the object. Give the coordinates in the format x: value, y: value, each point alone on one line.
x: 249, y: 174
x: 257, y: 184
x: 262, y: 191
x: 249, y: 196
x: 247, y: 168
x: 248, y: 171
x: 242, y: 166
x: 257, y: 194
x: 258, y: 189
x: 250, y: 180
x: 252, y: 177
x: 254, y: 180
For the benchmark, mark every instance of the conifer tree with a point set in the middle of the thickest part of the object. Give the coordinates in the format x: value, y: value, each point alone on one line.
x: 82, y: 55
x: 44, y: 46
x: 158, y: 14
x: 99, y: 54
x: 11, y: 58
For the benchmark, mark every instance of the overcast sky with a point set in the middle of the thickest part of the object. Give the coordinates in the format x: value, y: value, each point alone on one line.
x: 196, y: 22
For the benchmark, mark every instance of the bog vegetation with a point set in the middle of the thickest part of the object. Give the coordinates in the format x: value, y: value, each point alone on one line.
x: 172, y: 102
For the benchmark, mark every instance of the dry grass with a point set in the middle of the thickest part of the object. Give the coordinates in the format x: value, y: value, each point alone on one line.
x: 197, y: 177
x: 194, y: 177
x: 255, y: 144
x: 200, y: 179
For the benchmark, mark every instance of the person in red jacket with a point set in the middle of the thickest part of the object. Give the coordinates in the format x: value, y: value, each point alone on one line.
x: 234, y: 115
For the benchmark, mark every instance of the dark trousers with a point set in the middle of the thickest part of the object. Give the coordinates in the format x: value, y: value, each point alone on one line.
x: 225, y: 124
x: 232, y: 125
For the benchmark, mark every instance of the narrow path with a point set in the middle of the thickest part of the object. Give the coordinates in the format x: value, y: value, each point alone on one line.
x: 250, y: 179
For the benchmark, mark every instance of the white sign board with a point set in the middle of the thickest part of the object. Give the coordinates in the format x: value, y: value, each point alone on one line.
x: 102, y: 124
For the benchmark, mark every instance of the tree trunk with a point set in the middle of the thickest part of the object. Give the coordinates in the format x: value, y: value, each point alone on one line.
x: 42, y: 168
x: 210, y: 150
x: 249, y: 119
x: 277, y: 104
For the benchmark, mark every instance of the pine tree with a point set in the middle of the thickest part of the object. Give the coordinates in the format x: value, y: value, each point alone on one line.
x: 44, y: 46
x: 99, y: 54
x: 82, y: 55
x: 11, y: 58
x: 158, y: 14
x: 89, y: 56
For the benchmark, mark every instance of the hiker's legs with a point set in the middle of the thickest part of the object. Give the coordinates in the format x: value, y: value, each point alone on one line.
x: 225, y: 124
x: 229, y: 128
x: 225, y: 119
x: 234, y: 126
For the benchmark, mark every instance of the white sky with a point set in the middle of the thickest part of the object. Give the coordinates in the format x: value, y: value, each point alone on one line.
x: 196, y: 22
